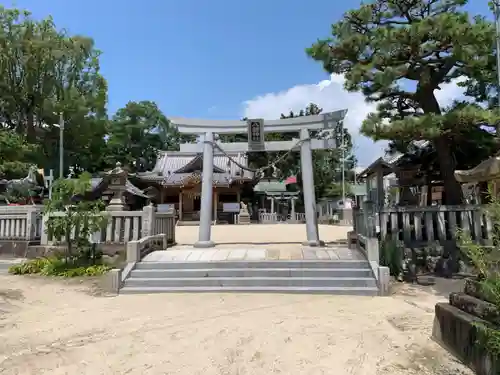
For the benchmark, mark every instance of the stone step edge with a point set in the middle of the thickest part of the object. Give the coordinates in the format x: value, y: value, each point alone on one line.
x: 259, y: 278
x: 321, y: 270
x: 256, y: 261
x: 368, y: 291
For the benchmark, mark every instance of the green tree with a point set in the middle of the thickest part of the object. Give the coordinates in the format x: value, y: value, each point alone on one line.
x: 327, y: 163
x: 15, y: 155
x: 81, y: 216
x: 398, y: 53
x: 137, y: 132
x: 43, y: 72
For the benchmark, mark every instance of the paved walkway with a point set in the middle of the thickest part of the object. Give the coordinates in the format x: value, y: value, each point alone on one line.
x: 191, y: 254
x: 258, y: 242
x: 260, y: 234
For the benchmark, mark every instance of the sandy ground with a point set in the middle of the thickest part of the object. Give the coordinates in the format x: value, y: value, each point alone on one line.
x: 55, y: 327
x: 280, y: 236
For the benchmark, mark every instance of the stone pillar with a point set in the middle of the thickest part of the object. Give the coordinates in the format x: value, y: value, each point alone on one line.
x: 44, y: 240
x: 30, y: 223
x: 206, y: 194
x: 272, y: 204
x: 308, y: 190
x: 216, y: 199
x: 292, y: 211
x: 180, y: 205
x: 238, y: 197
x: 148, y: 220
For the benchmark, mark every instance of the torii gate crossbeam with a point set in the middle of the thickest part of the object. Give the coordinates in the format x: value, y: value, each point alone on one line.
x: 302, y: 125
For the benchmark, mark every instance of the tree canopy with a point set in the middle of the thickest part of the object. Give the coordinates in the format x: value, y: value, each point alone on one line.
x: 45, y: 71
x: 137, y: 132
x: 398, y: 53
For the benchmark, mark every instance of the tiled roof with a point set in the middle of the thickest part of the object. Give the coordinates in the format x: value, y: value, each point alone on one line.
x: 129, y: 187
x: 171, y: 161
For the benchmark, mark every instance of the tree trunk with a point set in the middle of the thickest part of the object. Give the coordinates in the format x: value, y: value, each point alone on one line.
x: 447, y: 165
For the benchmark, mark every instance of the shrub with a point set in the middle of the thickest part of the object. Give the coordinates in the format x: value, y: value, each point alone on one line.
x: 486, y: 261
x: 54, y: 266
x: 391, y: 255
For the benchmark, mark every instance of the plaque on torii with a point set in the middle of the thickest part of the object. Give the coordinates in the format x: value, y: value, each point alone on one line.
x: 256, y: 129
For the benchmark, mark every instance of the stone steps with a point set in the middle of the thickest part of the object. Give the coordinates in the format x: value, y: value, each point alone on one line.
x: 287, y: 276
x: 351, y: 282
x: 258, y: 264
x: 251, y: 272
x: 295, y: 290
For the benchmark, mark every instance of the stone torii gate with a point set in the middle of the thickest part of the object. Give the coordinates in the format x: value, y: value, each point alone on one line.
x: 256, y: 129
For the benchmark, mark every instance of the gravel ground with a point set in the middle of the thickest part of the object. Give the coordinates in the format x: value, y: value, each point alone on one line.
x: 54, y: 327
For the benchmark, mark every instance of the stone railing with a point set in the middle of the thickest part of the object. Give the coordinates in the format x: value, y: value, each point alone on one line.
x: 164, y: 222
x: 273, y: 218
x: 366, y: 240
x: 18, y: 223
x: 136, y: 251
x: 124, y: 226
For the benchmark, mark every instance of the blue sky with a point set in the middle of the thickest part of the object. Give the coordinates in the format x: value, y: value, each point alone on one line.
x: 212, y: 59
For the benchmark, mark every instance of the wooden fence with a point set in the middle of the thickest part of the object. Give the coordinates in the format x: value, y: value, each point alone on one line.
x: 427, y: 224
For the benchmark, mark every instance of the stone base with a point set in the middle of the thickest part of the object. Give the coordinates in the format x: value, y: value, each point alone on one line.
x: 204, y: 244
x: 244, y: 220
x: 455, y: 330
x: 116, y: 207
x: 475, y: 306
x: 313, y: 243
x: 352, y: 239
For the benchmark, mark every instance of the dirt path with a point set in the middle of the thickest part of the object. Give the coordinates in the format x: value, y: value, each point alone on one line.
x: 50, y: 327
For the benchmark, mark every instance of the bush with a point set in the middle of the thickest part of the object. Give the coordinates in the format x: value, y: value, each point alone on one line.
x: 486, y: 261
x: 54, y: 266
x: 391, y: 255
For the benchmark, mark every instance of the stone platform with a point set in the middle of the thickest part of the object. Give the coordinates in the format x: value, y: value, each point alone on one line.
x: 257, y: 253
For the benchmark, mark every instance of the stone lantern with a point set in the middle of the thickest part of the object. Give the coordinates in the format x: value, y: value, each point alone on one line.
x: 118, y: 181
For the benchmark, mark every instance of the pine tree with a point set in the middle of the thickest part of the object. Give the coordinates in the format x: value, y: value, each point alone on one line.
x: 398, y: 53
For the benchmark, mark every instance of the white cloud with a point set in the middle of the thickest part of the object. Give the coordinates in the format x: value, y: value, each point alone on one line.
x: 330, y: 95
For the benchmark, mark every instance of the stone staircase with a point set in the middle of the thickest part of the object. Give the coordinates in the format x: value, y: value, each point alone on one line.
x: 341, y: 277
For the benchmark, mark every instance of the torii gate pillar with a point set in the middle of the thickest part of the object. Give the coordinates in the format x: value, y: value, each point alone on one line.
x: 306, y: 167
x: 299, y: 124
x: 206, y: 194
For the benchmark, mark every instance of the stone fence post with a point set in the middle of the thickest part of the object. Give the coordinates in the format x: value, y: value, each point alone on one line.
x: 31, y: 215
x: 44, y: 239
x: 148, y: 220
x: 372, y: 245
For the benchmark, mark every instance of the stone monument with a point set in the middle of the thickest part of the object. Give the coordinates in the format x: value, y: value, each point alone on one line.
x: 244, y: 216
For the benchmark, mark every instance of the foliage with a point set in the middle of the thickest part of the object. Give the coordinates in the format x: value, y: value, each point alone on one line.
x: 81, y: 216
x: 55, y: 266
x: 15, y: 155
x: 486, y: 261
x: 45, y: 71
x: 398, y: 53
x: 19, y: 193
x: 391, y: 255
x: 137, y: 133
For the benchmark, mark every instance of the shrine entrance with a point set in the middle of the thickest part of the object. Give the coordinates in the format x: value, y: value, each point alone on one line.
x: 255, y: 129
